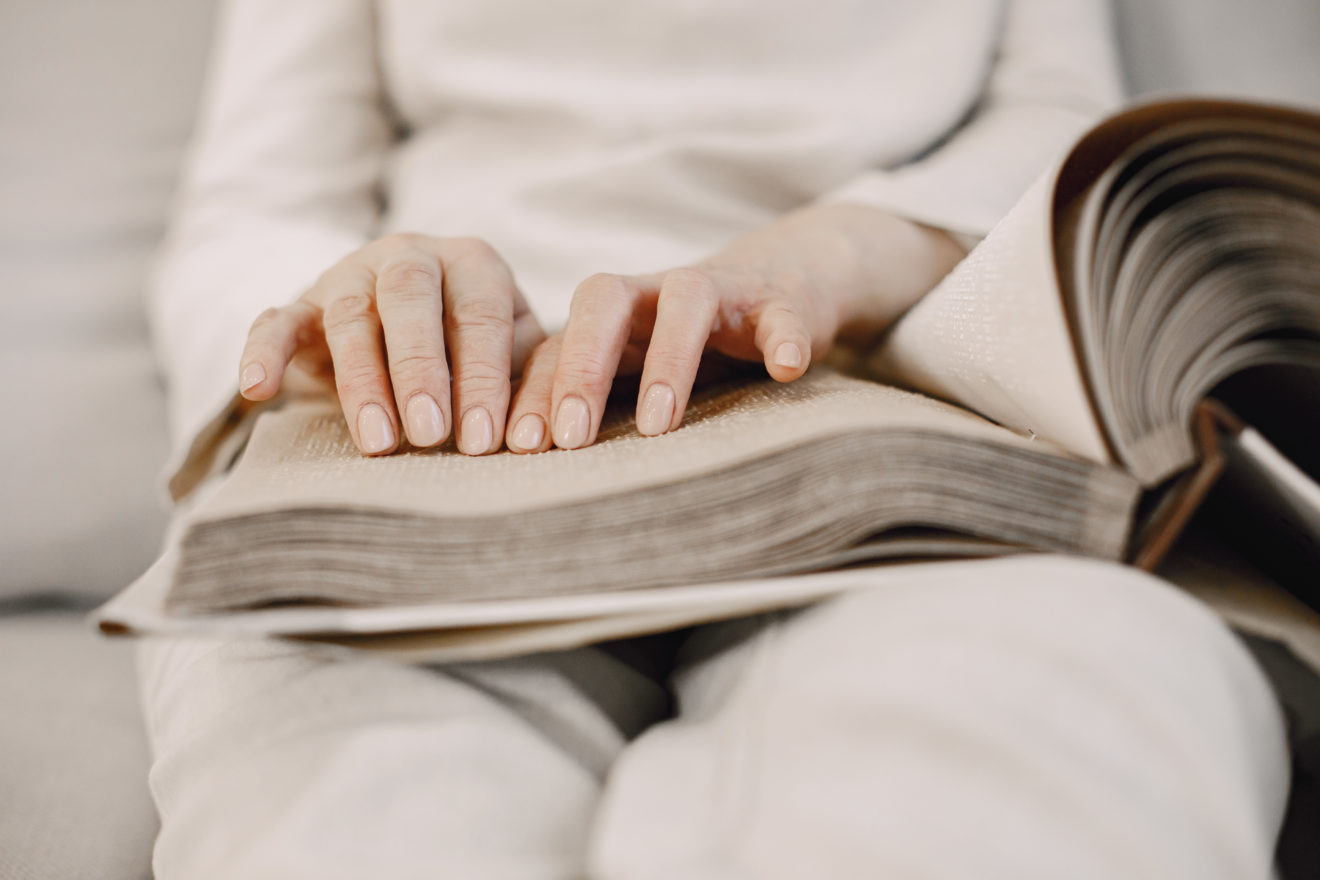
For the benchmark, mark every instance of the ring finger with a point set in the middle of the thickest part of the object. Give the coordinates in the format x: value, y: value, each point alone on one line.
x: 684, y: 316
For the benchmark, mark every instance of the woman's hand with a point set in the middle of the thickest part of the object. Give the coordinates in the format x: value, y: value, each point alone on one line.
x: 780, y: 295
x: 389, y: 324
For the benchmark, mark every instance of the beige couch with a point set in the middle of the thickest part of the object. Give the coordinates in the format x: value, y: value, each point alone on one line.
x: 95, y: 102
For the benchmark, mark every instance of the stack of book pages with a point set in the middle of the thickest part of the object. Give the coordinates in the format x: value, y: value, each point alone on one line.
x: 1050, y: 394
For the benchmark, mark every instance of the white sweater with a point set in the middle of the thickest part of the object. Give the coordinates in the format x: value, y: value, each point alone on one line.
x: 594, y: 135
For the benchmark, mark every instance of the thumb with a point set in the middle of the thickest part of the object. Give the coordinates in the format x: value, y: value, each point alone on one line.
x: 782, y: 337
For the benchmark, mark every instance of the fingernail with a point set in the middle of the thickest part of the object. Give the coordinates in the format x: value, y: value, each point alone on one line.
x: 476, y: 432
x: 573, y: 423
x: 657, y: 410
x: 252, y: 376
x: 529, y: 432
x: 788, y: 355
x: 374, y: 429
x: 426, y: 424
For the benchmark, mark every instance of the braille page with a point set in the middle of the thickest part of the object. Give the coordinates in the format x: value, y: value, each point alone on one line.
x: 994, y: 337
x: 303, y: 455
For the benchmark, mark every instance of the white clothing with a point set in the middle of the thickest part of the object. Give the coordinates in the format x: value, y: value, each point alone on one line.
x: 1037, y: 718
x: 1034, y: 717
x: 594, y: 135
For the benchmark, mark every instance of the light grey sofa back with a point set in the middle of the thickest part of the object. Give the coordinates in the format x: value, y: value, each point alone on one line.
x: 96, y: 102
x: 1265, y: 49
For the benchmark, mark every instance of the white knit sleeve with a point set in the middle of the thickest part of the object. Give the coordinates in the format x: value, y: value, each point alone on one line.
x: 1055, y: 73
x: 283, y: 180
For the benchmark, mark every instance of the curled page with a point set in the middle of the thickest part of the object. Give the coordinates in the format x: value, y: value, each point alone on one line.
x: 994, y: 336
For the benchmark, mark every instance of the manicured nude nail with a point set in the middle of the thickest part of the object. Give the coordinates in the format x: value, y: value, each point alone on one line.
x: 374, y: 429
x: 475, y: 433
x: 788, y: 355
x: 528, y: 433
x: 426, y: 424
x: 253, y: 375
x: 657, y: 410
x: 573, y: 423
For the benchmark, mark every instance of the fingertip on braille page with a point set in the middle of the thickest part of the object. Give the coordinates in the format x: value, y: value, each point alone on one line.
x: 788, y: 355
x: 375, y: 432
x: 476, y: 433
x: 426, y: 423
x: 657, y: 410
x: 252, y: 376
x: 572, y: 424
x: 528, y: 433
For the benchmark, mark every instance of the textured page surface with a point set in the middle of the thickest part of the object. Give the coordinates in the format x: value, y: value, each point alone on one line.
x: 994, y: 337
x: 304, y: 455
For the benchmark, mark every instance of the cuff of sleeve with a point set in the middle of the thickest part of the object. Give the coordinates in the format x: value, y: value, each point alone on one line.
x: 969, y: 184
x: 918, y: 198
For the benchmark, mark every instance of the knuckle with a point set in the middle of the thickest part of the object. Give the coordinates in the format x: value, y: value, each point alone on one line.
x: 781, y: 310
x: 349, y: 310
x: 602, y: 284
x: 348, y: 270
x: 410, y: 279
x: 402, y: 240
x: 671, y: 362
x: 300, y: 309
x: 586, y: 372
x: 472, y: 248
x: 482, y: 378
x: 417, y: 366
x: 691, y: 284
x: 600, y: 294
x: 481, y: 343
x: 359, y: 381
x: 266, y: 318
x: 482, y: 311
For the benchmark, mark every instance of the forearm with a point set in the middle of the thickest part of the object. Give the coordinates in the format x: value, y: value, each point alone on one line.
x: 893, y: 263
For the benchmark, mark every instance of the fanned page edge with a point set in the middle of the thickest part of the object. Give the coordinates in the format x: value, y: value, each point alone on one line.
x: 927, y: 349
x: 1085, y: 166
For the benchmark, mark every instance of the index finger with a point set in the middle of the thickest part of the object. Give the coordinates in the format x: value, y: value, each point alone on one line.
x: 599, y: 323
x: 480, y: 306
x: 276, y: 336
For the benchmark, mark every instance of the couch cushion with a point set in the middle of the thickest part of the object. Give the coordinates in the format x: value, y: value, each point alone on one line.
x: 73, y: 754
x: 97, y: 102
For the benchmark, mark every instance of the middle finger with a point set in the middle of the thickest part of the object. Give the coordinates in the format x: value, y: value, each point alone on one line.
x: 599, y: 322
x: 481, y: 301
x: 408, y: 297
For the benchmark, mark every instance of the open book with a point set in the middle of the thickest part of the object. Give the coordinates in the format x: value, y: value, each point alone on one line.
x: 1045, y: 397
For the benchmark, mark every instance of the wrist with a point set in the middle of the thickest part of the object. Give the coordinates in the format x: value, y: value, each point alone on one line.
x: 875, y: 266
